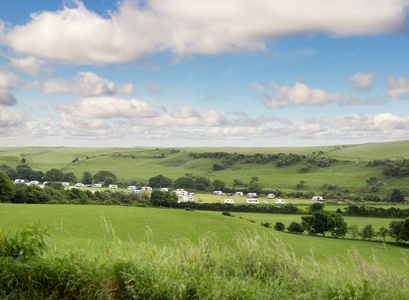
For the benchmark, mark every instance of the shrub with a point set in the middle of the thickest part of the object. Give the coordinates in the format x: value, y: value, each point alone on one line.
x: 26, y: 243
x: 266, y: 224
x: 295, y: 228
x: 226, y: 213
x: 279, y: 226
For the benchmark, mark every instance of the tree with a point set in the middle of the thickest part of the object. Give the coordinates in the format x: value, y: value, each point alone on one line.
x: 238, y: 182
x: 279, y: 226
x: 54, y: 175
x: 86, y: 178
x: 160, y: 181
x: 255, y: 187
x: 203, y: 183
x: 383, y: 232
x: 70, y: 177
x: 23, y: 171
x: 36, y: 175
x: 219, y: 185
x: 397, y: 196
x: 300, y: 185
x: 166, y: 199
x: 353, y: 230
x: 100, y: 176
x: 307, y: 223
x: 320, y: 224
x: 184, y: 183
x: 337, y: 226
x: 367, y: 232
x: 7, y: 188
x: 108, y: 181
x: 316, y: 207
x: 295, y: 228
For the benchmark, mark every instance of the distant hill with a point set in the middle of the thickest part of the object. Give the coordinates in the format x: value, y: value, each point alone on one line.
x: 343, y: 166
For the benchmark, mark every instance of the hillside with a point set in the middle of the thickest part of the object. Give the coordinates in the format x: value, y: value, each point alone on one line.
x: 346, y: 164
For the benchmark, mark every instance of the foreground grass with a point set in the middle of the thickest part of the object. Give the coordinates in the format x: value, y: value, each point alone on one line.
x: 252, y: 266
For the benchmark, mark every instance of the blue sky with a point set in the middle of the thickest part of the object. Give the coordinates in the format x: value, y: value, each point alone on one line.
x: 203, y: 73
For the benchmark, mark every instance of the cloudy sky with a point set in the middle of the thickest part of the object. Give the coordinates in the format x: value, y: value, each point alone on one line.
x: 203, y: 73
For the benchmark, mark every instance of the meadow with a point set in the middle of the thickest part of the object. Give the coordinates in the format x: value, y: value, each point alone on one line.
x: 138, y: 164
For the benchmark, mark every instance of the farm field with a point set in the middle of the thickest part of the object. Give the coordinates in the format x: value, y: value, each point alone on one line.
x: 139, y: 164
x: 93, y: 228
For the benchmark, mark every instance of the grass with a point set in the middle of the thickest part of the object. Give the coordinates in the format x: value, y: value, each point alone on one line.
x: 251, y: 266
x: 141, y: 163
x: 92, y: 227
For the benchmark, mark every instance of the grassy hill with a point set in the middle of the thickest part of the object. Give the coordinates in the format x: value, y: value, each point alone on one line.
x: 94, y: 228
x: 350, y: 170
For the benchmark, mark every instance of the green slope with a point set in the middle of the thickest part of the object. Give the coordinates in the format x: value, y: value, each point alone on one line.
x: 93, y: 227
x: 140, y: 164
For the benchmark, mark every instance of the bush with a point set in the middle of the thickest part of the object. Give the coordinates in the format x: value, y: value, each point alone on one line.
x: 279, y: 226
x: 226, y: 213
x: 295, y: 228
x: 266, y: 224
x: 26, y: 243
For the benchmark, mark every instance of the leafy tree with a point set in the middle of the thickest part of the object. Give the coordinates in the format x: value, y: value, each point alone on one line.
x: 307, y: 223
x: 255, y: 187
x: 238, y: 182
x: 160, y: 181
x: 36, y: 175
x: 320, y: 224
x: 11, y: 173
x: 295, y: 228
x: 86, y: 178
x: 184, y: 183
x: 166, y: 199
x: 279, y: 226
x: 337, y: 225
x: 70, y: 177
x: 367, y: 232
x: 383, y: 232
x: 399, y: 230
x: 300, y: 185
x: 108, y: 181
x: 54, y: 175
x: 23, y: 171
x: 316, y: 207
x: 219, y: 185
x: 100, y: 176
x: 7, y: 188
x: 353, y: 230
x: 397, y: 196
x: 202, y: 183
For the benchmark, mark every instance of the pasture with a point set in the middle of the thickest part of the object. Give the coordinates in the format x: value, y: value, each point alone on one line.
x: 141, y: 163
x: 94, y: 228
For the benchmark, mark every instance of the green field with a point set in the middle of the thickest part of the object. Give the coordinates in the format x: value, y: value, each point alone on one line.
x: 140, y: 164
x: 95, y: 227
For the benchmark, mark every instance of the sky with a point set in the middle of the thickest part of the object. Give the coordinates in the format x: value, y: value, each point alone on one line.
x: 190, y: 73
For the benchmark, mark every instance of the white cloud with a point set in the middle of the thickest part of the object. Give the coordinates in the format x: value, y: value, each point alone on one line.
x: 362, y: 81
x: 29, y: 65
x: 398, y: 89
x: 108, y: 108
x: 78, y: 35
x: 9, y: 119
x: 187, y: 116
x: 86, y: 84
x: 7, y: 82
x: 380, y: 123
x: 301, y: 94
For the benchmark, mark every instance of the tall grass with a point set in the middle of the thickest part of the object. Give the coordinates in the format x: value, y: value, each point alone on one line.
x: 252, y: 266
